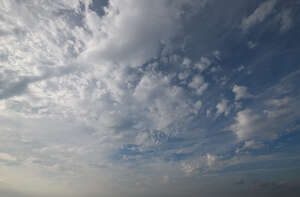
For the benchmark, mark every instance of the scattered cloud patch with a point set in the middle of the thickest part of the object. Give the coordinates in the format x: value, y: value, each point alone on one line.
x: 223, y: 108
x: 259, y: 14
x: 203, y: 64
x: 200, y: 165
x: 198, y: 85
x: 198, y: 105
x: 241, y: 68
x: 251, y: 45
x: 249, y: 124
x: 241, y: 92
x: 250, y: 145
x: 211, y: 159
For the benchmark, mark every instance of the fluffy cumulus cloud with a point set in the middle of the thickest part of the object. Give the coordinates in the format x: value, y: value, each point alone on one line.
x: 249, y: 124
x: 223, y: 108
x: 240, y: 92
x: 136, y: 98
x: 198, y: 84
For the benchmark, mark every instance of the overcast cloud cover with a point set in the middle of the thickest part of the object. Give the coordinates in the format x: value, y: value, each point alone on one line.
x: 125, y: 98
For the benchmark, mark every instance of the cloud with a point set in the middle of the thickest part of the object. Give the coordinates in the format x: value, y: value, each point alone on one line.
x: 240, y: 92
x: 249, y: 124
x: 250, y: 145
x: 211, y: 159
x: 183, y: 75
x: 286, y: 21
x: 14, y: 85
x: 198, y: 104
x: 117, y: 30
x: 198, y: 84
x: 274, y: 114
x: 186, y: 62
x: 189, y: 168
x: 259, y: 14
x: 251, y: 45
x: 268, y: 124
x: 63, y: 62
x: 253, y: 144
x: 7, y: 157
x: 204, y: 63
x: 223, y: 108
x: 241, y: 68
x: 165, y: 103
x: 200, y: 165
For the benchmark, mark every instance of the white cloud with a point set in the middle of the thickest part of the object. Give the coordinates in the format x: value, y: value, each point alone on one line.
x: 279, y: 108
x: 190, y: 167
x: 273, y: 119
x: 103, y: 48
x: 186, y: 62
x: 117, y: 30
x: 253, y: 144
x: 252, y: 125
x: 198, y: 105
x: 240, y: 92
x: 259, y: 14
x: 198, y: 84
x: 246, y: 124
x: 200, y: 165
x: 150, y: 139
x: 183, y: 75
x: 250, y: 144
x: 204, y: 63
x: 211, y: 159
x: 223, y: 108
x: 165, y: 103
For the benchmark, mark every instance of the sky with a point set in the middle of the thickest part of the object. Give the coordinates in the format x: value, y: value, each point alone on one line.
x: 140, y: 98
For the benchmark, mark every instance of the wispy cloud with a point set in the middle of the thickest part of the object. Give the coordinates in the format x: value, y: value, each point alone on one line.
x: 259, y: 14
